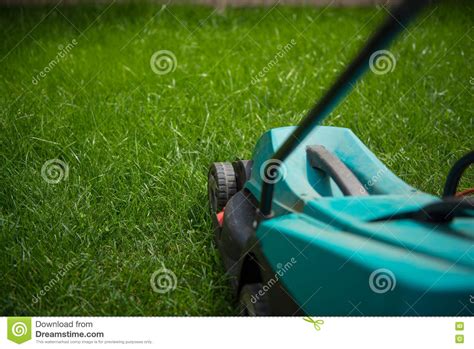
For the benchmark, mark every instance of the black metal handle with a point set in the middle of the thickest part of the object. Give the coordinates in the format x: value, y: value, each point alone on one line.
x: 394, y: 24
x: 455, y: 174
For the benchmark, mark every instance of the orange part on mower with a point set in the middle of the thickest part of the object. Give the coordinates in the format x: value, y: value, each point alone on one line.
x: 220, y: 218
x: 465, y: 192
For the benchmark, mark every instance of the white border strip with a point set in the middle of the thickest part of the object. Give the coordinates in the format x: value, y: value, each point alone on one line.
x: 239, y: 332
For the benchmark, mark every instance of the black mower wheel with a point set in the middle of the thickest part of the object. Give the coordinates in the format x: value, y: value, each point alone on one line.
x: 251, y: 302
x: 221, y: 185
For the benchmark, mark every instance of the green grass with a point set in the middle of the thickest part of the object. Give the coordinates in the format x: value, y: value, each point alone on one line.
x: 138, y: 144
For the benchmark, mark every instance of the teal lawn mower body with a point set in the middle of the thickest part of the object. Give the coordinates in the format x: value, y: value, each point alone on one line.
x: 339, y: 256
x: 316, y: 224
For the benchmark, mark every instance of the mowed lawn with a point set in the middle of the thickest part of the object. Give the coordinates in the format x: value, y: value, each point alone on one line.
x: 137, y: 145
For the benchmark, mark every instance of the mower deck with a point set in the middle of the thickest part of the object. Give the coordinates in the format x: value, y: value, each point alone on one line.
x: 321, y: 248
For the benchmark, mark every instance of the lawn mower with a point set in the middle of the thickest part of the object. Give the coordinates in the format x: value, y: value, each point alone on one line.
x: 316, y: 224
